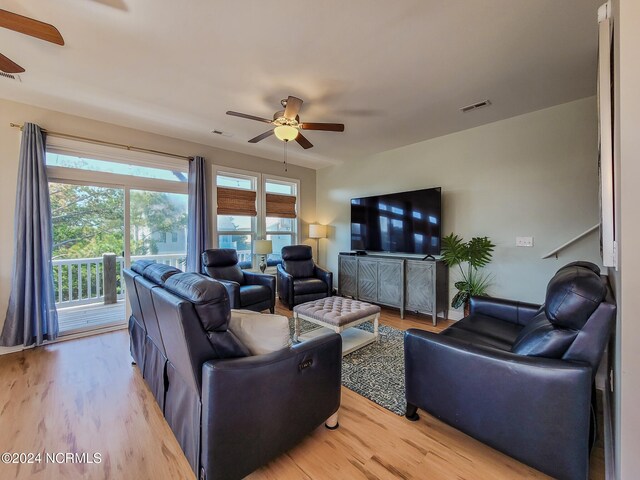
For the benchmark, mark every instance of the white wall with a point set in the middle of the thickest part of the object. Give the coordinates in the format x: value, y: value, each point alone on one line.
x: 627, y: 279
x: 56, y: 121
x: 531, y: 175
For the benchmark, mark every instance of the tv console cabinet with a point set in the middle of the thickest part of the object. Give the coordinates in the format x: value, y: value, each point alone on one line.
x: 407, y: 283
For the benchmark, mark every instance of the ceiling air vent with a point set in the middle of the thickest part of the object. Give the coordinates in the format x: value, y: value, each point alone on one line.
x: 475, y: 106
x: 11, y: 76
x: 220, y: 132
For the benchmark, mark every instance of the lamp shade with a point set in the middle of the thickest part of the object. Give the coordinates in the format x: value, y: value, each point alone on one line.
x: 262, y: 247
x: 317, y: 231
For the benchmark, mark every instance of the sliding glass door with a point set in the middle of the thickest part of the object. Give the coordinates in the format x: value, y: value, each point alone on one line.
x: 88, y: 243
x: 105, y: 215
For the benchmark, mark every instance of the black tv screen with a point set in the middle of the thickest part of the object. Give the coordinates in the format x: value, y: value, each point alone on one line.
x: 405, y: 222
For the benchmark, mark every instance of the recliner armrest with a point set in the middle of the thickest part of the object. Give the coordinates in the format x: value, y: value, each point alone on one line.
x: 252, y: 278
x: 536, y: 410
x: 326, y: 276
x: 508, y: 310
x: 282, y: 273
x: 255, y: 408
x: 233, y: 290
x: 285, y: 285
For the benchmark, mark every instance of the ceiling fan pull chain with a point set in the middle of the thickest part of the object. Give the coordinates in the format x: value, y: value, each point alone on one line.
x: 285, y: 156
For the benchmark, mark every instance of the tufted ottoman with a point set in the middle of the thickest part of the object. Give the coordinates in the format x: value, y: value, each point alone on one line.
x: 340, y: 315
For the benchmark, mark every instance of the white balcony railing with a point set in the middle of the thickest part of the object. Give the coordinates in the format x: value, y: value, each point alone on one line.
x: 244, y: 255
x: 80, y: 281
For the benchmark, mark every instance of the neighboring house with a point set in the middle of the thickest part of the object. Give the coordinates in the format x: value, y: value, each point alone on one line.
x: 170, y: 242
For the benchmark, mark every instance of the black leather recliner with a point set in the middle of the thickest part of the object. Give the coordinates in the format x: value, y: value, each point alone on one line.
x: 518, y: 376
x: 137, y: 327
x: 300, y: 280
x: 147, y: 346
x: 230, y: 412
x: 247, y: 290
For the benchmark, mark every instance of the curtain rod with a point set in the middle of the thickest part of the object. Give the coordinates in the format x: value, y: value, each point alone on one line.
x: 109, y: 144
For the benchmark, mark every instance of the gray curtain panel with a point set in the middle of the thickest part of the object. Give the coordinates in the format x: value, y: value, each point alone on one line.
x: 198, y: 225
x: 31, y: 315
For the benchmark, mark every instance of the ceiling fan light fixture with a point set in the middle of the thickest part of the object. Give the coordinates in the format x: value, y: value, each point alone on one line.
x: 286, y: 133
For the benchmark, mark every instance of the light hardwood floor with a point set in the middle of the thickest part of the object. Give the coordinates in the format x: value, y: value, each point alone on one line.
x: 83, y: 396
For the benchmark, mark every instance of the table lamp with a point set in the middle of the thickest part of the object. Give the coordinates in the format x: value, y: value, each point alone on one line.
x: 263, y: 248
x: 317, y: 231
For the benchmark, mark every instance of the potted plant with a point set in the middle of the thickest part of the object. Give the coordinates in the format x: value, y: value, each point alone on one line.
x: 476, y: 254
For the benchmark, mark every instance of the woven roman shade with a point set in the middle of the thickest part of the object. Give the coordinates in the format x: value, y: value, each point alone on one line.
x: 281, y: 206
x: 232, y: 201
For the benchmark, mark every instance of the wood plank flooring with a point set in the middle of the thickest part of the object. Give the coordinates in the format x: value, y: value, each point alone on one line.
x: 83, y: 396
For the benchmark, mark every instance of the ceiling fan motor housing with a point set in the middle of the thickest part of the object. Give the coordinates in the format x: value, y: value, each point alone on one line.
x: 280, y: 119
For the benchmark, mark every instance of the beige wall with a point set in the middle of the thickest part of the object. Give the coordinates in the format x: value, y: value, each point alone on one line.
x: 627, y: 280
x: 56, y: 121
x: 531, y: 175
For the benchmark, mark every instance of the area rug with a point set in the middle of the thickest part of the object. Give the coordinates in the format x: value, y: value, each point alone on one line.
x: 377, y: 370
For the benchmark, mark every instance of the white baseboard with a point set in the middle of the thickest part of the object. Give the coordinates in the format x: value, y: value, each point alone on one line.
x: 8, y: 350
x: 455, y: 315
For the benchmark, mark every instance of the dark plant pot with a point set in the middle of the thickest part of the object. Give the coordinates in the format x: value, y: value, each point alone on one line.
x: 467, y: 309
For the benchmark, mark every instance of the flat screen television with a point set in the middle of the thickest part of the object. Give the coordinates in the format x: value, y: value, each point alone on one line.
x: 405, y: 222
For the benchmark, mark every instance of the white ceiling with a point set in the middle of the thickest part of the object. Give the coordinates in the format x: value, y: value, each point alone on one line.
x: 394, y: 72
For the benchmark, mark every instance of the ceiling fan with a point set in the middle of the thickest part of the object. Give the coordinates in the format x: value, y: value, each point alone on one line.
x: 287, y: 124
x: 28, y: 26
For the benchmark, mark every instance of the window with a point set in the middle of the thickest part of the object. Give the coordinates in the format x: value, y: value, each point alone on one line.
x: 236, y: 181
x: 273, y: 186
x: 281, y: 230
x: 82, y: 163
x: 236, y: 223
x: 250, y: 206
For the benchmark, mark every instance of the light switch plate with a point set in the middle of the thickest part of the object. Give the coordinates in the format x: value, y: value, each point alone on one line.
x: 524, y: 241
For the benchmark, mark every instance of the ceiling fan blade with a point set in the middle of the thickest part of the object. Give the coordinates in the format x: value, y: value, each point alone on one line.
x: 327, y: 127
x: 293, y: 107
x: 250, y: 117
x: 261, y: 136
x: 302, y: 140
x: 31, y: 27
x: 8, y: 66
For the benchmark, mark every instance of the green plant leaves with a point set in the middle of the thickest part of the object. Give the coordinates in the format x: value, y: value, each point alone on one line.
x: 460, y: 299
x: 478, y: 283
x: 454, y: 251
x: 477, y: 253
